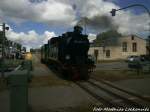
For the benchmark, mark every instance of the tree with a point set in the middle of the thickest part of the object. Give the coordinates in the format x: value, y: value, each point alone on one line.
x: 103, y: 38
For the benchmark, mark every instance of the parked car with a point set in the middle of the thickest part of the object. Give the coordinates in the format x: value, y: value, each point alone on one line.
x: 145, y: 57
x: 132, y: 58
x: 138, y: 62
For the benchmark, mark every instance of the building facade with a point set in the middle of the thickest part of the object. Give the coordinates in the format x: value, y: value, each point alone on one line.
x: 124, y: 47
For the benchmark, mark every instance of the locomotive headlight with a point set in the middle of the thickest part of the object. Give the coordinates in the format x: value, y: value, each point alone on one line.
x: 67, y: 57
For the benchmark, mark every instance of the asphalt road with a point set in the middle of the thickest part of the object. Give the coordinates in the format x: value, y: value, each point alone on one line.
x: 39, y: 69
x: 112, y: 66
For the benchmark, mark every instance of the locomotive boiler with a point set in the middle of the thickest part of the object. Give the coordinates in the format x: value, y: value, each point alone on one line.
x: 68, y: 54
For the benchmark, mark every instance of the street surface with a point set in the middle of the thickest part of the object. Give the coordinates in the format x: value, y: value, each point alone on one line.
x: 42, y: 98
x: 112, y: 66
x: 57, y: 97
x: 40, y: 69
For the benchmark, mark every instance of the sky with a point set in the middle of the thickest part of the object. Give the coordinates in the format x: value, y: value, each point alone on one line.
x: 33, y: 22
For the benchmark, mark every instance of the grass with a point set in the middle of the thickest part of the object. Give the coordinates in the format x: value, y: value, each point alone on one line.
x: 115, y: 75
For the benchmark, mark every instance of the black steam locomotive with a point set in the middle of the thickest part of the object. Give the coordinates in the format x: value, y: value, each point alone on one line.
x: 69, y: 54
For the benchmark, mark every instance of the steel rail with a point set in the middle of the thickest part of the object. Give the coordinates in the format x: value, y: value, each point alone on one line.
x: 99, y: 98
x: 128, y: 101
x: 123, y: 90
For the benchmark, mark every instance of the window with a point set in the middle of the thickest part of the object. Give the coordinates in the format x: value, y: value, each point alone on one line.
x: 107, y: 53
x: 134, y: 47
x: 124, y: 46
x: 132, y: 37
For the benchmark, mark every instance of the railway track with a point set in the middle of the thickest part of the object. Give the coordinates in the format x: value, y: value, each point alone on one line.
x: 104, y: 101
x: 113, y: 96
x: 145, y: 98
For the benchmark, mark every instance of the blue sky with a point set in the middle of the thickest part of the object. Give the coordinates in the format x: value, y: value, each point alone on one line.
x: 41, y: 27
x: 50, y: 17
x: 136, y: 10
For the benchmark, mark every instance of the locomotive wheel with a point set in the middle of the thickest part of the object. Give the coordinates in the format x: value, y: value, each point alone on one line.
x: 66, y: 74
x: 84, y: 73
x: 71, y: 74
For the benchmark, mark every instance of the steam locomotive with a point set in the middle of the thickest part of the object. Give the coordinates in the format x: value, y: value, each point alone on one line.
x: 69, y: 54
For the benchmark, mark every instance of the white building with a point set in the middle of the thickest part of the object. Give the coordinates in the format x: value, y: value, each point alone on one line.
x: 123, y: 47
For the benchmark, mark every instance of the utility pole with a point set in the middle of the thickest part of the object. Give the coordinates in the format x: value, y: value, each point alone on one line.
x: 3, y: 46
x: 3, y: 49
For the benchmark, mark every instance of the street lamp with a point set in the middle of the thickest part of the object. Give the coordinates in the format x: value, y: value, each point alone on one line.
x: 113, y: 13
x: 4, y: 28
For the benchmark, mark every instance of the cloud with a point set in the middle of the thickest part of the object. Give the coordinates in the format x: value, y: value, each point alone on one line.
x: 130, y: 23
x: 52, y: 12
x: 91, y: 37
x: 31, y: 39
x: 98, y: 17
x: 66, y: 13
x: 91, y: 8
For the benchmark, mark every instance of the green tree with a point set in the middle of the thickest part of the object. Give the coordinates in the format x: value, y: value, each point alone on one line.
x: 104, y: 37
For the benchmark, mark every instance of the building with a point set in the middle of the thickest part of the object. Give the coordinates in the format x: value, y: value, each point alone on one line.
x: 120, y: 48
x: 10, y: 49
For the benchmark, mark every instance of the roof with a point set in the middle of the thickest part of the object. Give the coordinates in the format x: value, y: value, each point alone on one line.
x: 114, y: 41
x: 134, y: 36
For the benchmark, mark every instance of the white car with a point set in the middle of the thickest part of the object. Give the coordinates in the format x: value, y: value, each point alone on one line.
x: 133, y: 58
x: 138, y: 62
